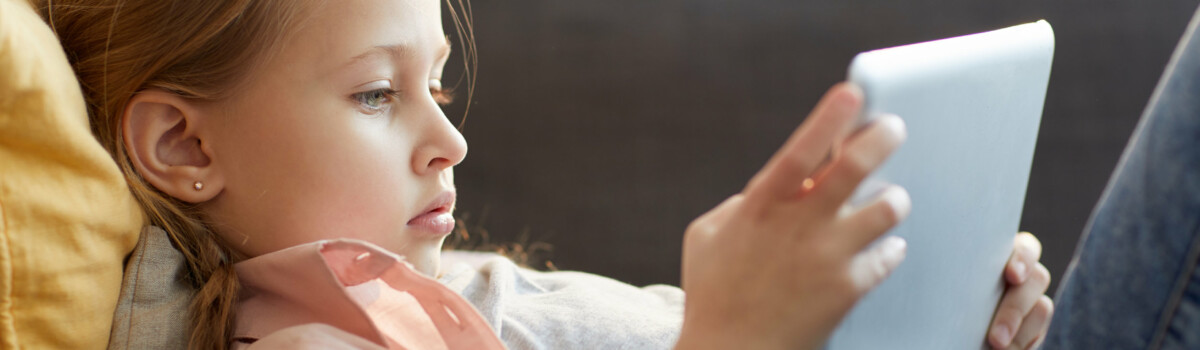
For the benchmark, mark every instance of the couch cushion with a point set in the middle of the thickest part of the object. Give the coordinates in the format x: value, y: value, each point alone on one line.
x: 67, y: 218
x: 153, y: 307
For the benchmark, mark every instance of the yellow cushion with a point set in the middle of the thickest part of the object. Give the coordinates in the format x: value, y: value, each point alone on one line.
x: 67, y: 218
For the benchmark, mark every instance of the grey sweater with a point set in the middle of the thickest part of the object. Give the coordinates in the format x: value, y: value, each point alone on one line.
x: 564, y: 310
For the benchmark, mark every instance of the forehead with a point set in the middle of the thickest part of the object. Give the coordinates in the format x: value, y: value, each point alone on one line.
x: 338, y: 31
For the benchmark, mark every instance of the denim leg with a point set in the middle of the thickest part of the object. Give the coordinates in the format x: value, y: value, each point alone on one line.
x: 1133, y: 283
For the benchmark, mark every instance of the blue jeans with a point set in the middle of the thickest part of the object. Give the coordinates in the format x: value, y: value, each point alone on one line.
x: 1134, y: 282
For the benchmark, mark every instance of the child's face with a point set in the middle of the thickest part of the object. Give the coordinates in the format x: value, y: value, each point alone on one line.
x: 311, y: 148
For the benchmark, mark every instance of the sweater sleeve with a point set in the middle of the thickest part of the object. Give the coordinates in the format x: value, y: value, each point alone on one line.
x: 565, y: 310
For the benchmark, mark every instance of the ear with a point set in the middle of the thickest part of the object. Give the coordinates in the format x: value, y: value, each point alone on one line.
x: 164, y: 139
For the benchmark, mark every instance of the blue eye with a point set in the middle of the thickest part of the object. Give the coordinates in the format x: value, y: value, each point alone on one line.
x: 374, y: 100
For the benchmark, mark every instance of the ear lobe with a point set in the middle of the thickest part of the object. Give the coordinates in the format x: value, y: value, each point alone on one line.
x: 165, y: 144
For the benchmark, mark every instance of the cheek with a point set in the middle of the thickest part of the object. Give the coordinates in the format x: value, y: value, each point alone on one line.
x: 300, y: 176
x: 365, y: 181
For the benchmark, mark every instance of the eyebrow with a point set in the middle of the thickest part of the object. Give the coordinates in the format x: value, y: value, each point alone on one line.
x: 398, y: 50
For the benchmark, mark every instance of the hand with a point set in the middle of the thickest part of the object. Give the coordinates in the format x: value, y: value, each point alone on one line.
x: 780, y: 264
x: 1024, y: 308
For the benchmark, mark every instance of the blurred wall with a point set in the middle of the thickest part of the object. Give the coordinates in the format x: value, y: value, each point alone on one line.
x: 604, y: 127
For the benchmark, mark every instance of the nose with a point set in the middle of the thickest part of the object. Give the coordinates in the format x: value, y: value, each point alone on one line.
x: 441, y: 146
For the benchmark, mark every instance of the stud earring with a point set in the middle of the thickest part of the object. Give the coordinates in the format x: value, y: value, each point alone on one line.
x: 198, y: 185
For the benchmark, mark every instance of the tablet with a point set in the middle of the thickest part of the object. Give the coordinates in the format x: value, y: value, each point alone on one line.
x: 972, y: 105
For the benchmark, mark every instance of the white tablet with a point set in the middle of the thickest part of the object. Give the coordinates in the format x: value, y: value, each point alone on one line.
x: 972, y: 105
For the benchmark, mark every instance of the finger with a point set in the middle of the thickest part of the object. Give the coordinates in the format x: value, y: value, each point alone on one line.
x: 869, y: 268
x: 711, y: 222
x: 724, y: 211
x: 1027, y: 250
x: 1033, y: 327
x: 809, y: 145
x: 1017, y: 302
x: 872, y: 221
x: 863, y: 152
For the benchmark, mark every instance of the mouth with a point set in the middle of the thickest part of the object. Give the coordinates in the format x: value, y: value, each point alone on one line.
x: 436, y: 219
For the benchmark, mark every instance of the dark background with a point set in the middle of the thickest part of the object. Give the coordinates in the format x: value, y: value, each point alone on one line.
x: 604, y: 127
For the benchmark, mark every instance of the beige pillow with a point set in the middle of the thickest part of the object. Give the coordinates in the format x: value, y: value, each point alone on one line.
x: 152, y: 312
x: 67, y: 218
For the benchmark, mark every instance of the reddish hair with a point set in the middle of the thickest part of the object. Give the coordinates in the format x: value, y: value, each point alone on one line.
x: 200, y: 50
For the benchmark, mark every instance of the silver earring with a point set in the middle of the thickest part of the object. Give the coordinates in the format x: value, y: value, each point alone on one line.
x: 198, y: 185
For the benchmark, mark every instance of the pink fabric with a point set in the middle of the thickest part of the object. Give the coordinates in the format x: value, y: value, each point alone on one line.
x: 359, y: 288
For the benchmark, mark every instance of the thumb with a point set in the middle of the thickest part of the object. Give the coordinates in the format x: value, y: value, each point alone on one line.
x: 870, y: 267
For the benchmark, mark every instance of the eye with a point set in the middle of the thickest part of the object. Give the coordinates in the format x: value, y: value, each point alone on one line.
x: 375, y: 100
x: 440, y: 95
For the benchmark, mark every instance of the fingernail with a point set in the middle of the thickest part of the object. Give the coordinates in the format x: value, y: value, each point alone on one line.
x: 896, y: 124
x: 1022, y: 270
x: 894, y: 248
x: 898, y: 198
x: 855, y: 93
x: 1001, y: 335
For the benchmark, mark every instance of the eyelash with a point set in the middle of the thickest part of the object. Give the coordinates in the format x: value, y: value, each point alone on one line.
x: 441, y: 96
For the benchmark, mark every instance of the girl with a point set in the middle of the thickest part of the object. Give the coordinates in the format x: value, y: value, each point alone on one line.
x: 250, y: 129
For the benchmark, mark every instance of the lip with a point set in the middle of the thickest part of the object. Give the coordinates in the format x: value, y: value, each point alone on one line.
x: 436, y: 218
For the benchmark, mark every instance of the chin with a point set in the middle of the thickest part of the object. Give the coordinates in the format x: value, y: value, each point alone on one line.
x: 424, y: 255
